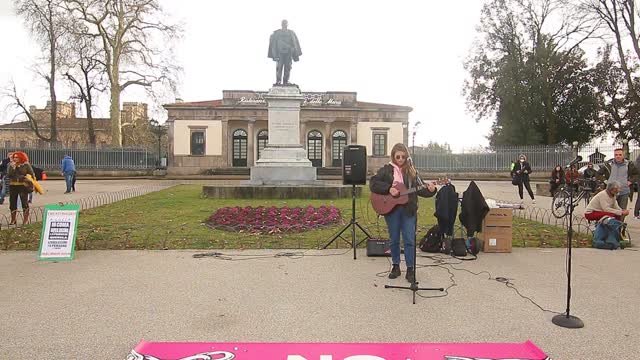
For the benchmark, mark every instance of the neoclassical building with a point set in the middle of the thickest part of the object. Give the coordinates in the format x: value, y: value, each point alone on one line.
x: 232, y: 131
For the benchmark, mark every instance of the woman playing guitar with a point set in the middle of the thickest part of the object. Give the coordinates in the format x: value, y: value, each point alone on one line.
x: 400, y: 173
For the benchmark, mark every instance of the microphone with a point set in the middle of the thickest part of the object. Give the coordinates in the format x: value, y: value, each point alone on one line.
x: 575, y: 161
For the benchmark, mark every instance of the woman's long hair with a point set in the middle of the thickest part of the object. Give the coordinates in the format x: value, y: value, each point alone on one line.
x: 407, y: 169
x: 557, y: 173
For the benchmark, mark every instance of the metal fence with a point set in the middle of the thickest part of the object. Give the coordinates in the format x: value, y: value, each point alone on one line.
x: 88, y: 158
x: 491, y: 159
x: 498, y: 159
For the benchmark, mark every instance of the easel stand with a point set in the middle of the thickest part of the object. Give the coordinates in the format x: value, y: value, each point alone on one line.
x: 351, y: 225
x: 566, y: 320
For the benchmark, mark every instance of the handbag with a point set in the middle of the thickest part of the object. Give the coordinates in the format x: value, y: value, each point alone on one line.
x: 517, y: 179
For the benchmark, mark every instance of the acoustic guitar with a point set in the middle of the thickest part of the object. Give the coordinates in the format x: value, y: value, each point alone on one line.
x: 383, y: 204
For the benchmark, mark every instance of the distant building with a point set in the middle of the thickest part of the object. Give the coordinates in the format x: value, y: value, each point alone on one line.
x: 74, y: 131
x: 232, y: 131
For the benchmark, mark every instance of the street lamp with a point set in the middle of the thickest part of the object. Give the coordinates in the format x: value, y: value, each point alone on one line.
x: 158, y: 130
x: 413, y: 138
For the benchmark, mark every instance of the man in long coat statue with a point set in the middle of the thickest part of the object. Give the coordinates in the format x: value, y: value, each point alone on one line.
x: 283, y: 48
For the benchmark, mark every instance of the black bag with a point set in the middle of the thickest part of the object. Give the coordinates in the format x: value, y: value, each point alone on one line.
x: 474, y: 245
x: 432, y: 241
x: 458, y: 247
x: 517, y: 179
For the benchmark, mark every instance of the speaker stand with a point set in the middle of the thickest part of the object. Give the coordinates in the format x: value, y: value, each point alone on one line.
x: 351, y: 225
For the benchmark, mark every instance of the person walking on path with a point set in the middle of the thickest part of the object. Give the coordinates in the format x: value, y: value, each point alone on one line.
x: 68, y: 171
x: 4, y: 180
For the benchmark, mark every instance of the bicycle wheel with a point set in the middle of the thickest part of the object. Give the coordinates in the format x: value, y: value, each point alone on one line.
x: 560, y: 204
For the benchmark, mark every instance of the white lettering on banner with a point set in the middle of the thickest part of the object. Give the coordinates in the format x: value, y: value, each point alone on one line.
x: 310, y: 99
x: 330, y: 357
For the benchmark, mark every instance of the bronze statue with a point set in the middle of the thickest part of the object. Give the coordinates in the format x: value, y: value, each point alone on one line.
x: 283, y: 48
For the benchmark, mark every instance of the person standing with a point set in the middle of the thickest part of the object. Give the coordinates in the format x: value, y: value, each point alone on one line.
x: 624, y: 172
x: 68, y: 171
x: 636, y: 209
x: 18, y: 170
x: 4, y: 180
x: 402, y: 219
x: 522, y: 169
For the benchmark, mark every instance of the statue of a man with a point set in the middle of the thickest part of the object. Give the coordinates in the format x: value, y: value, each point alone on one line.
x: 283, y: 48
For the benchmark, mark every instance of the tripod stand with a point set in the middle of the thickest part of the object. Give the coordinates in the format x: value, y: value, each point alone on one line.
x: 567, y: 320
x: 351, y: 225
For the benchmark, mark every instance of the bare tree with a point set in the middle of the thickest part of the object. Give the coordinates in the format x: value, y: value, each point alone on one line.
x: 85, y: 73
x: 47, y: 21
x: 135, y: 39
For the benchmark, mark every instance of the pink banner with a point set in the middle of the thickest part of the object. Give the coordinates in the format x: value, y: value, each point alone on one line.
x: 334, y: 351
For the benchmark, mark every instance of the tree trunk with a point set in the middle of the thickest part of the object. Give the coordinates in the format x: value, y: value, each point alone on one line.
x: 52, y: 83
x: 116, y: 128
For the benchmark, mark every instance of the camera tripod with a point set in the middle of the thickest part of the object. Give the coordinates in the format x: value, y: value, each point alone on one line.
x: 351, y: 225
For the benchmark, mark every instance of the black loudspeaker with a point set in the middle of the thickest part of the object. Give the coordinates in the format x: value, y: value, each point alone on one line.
x: 378, y: 247
x: 354, y: 165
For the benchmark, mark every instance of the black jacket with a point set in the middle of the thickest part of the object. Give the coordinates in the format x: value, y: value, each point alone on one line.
x: 446, y: 208
x: 522, y: 167
x: 381, y: 182
x: 473, y: 209
x: 4, y: 165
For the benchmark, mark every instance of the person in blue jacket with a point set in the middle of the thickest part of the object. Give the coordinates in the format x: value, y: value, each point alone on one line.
x: 68, y: 171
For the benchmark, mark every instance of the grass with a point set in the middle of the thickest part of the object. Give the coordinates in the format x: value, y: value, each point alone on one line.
x: 174, y: 219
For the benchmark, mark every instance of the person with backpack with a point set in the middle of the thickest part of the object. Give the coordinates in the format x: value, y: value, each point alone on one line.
x: 521, y: 172
x: 624, y: 172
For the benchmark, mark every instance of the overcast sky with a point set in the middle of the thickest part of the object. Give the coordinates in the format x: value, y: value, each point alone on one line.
x: 403, y: 53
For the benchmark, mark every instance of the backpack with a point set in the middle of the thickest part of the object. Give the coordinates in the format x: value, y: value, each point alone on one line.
x: 608, y: 233
x: 432, y: 241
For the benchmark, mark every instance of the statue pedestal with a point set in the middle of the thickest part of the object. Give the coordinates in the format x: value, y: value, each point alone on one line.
x: 283, y: 161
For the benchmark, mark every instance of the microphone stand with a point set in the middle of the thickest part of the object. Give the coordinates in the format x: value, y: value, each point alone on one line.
x: 566, y: 320
x: 414, y: 285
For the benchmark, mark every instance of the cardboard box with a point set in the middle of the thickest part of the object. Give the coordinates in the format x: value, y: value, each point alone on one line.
x: 497, y: 239
x: 498, y: 217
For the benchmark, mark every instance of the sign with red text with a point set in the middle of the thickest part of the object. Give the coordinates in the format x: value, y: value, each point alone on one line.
x: 334, y: 351
x: 59, y: 228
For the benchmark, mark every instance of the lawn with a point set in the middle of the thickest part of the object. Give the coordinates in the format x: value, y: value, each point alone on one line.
x: 174, y: 219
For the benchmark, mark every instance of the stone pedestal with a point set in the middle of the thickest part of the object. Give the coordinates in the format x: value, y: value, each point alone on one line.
x: 284, y: 160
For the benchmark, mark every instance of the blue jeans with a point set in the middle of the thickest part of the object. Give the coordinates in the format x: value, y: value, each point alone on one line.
x: 68, y: 179
x: 398, y: 222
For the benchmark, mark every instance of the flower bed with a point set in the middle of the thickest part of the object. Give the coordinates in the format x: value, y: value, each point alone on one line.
x: 270, y: 220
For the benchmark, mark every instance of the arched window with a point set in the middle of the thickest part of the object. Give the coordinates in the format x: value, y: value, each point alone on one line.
x: 239, y: 148
x: 314, y: 147
x: 338, y: 143
x: 263, y: 140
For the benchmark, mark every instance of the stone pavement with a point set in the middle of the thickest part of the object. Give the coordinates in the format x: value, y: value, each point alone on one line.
x: 101, y: 304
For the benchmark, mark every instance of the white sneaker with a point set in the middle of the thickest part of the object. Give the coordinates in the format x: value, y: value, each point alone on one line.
x: 533, y: 201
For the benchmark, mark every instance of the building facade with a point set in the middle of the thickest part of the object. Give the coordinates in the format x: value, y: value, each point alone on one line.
x: 232, y: 131
x: 73, y: 131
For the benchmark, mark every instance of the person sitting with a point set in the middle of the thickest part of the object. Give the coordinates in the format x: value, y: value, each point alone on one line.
x: 590, y: 174
x: 557, y: 179
x: 572, y: 178
x: 604, y: 204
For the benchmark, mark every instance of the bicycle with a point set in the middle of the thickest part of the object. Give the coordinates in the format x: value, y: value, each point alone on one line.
x: 561, y: 199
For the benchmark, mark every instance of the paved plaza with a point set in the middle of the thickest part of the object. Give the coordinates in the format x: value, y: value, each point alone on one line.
x: 100, y: 305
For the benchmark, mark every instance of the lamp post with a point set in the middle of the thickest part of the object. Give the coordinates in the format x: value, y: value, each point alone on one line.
x: 413, y: 139
x: 158, y: 130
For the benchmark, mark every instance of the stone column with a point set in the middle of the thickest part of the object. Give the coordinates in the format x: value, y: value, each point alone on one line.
x: 327, y: 159
x: 303, y: 134
x: 226, y: 153
x: 250, y: 142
